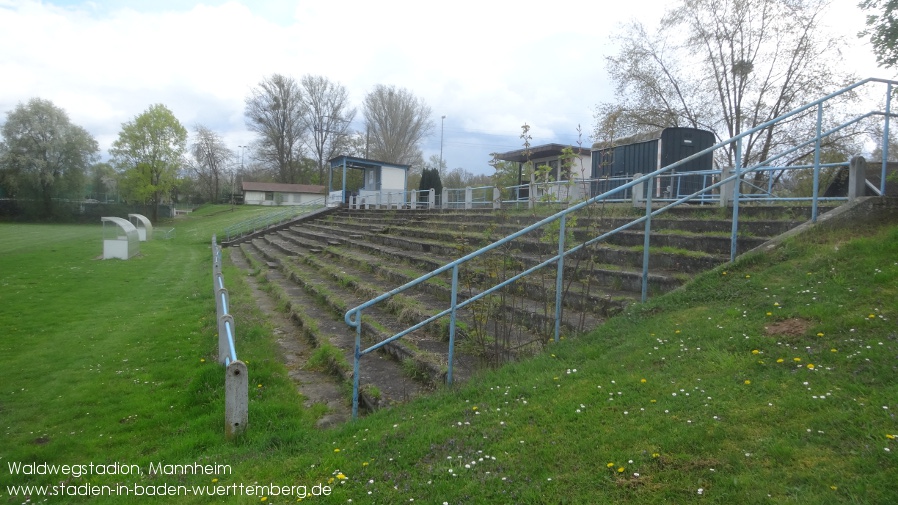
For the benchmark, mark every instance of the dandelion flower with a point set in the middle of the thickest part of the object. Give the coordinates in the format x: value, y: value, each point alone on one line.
x: 890, y: 437
x: 779, y: 360
x: 776, y: 304
x: 620, y: 470
x: 770, y: 313
x: 747, y: 382
x: 655, y: 455
x: 810, y: 366
x: 820, y: 334
x: 797, y: 360
x: 833, y: 488
x: 833, y: 350
x: 755, y: 351
x: 474, y: 407
x: 643, y: 381
x: 336, y: 450
x: 202, y: 360
x: 872, y: 316
x: 610, y: 465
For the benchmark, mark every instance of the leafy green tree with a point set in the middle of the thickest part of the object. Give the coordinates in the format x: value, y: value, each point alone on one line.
x: 149, y: 152
x: 43, y: 152
x: 882, y: 28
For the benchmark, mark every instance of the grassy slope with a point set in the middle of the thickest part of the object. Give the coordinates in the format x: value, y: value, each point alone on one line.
x: 686, y: 391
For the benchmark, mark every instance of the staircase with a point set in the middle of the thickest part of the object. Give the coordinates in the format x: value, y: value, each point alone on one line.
x: 321, y: 267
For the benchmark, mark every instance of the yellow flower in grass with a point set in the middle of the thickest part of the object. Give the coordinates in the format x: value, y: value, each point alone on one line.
x: 780, y: 360
x: 810, y: 366
x: 642, y: 381
x: 770, y: 313
x: 610, y: 465
x: 797, y: 360
x: 820, y: 334
x: 336, y: 450
x: 620, y: 470
x: 755, y: 351
x: 890, y: 437
x: 747, y: 382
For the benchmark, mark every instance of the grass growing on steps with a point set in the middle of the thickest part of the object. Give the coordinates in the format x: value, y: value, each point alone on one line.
x: 718, y: 419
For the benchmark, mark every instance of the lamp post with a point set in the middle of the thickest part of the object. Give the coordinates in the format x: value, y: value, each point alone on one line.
x: 442, y: 121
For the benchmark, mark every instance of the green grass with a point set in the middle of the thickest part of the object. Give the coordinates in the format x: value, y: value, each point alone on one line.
x: 114, y: 361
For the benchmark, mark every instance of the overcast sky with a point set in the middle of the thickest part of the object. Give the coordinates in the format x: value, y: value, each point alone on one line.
x: 487, y: 65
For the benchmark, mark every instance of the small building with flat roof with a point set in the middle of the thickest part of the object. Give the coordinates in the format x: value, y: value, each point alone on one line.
x: 274, y: 193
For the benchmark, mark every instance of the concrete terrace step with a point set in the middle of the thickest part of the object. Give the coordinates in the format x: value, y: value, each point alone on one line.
x: 338, y: 291
x: 434, y: 297
x: 384, y: 383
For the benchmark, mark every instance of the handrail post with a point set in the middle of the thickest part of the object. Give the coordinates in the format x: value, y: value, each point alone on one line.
x: 355, y: 365
x: 454, y: 302
x: 559, y: 276
x: 736, y: 183
x: 646, y: 238
x: 817, y: 164
x: 885, y: 141
x: 431, y: 198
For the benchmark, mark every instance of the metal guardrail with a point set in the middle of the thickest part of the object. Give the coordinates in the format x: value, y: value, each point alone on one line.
x: 728, y: 190
x: 275, y: 218
x: 236, y: 378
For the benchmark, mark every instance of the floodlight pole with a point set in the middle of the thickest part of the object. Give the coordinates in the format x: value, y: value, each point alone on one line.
x: 442, y: 120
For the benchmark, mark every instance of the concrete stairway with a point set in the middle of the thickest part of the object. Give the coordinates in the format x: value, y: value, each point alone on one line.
x: 320, y: 268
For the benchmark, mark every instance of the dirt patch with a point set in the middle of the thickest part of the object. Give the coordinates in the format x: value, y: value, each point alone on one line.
x: 316, y: 387
x: 793, y: 327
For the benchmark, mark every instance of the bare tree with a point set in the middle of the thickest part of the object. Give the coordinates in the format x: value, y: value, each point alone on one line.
x: 210, y: 161
x: 326, y: 118
x: 727, y: 67
x: 396, y: 122
x: 275, y: 111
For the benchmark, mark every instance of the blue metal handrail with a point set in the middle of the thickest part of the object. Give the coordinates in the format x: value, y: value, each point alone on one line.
x: 353, y: 317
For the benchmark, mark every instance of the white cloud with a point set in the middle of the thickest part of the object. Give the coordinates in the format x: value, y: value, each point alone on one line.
x: 488, y: 65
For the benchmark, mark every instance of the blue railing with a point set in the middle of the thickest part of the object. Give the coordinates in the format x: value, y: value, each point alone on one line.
x: 280, y: 216
x: 236, y: 379
x: 729, y: 183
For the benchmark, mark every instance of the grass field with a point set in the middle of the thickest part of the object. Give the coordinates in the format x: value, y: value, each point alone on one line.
x: 772, y: 380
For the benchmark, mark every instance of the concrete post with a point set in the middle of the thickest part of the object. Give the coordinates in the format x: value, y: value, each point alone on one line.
x: 236, y: 399
x: 857, y: 178
x: 637, y: 192
x: 469, y: 196
x: 531, y: 198
x: 445, y: 196
x: 224, y: 348
x: 497, y: 199
x: 431, y: 199
x: 726, y: 189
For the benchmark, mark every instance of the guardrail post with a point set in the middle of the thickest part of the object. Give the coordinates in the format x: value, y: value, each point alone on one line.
x: 469, y: 197
x: 445, y: 198
x: 646, y: 241
x: 559, y: 275
x: 224, y: 347
x: 857, y: 178
x: 431, y: 198
x: 497, y: 199
x: 737, y: 181
x: 637, y: 192
x: 236, y: 399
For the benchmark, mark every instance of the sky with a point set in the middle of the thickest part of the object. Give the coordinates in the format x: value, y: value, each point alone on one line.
x: 488, y: 66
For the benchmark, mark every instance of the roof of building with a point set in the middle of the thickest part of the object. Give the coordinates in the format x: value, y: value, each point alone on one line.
x: 283, y: 188
x: 542, y: 151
